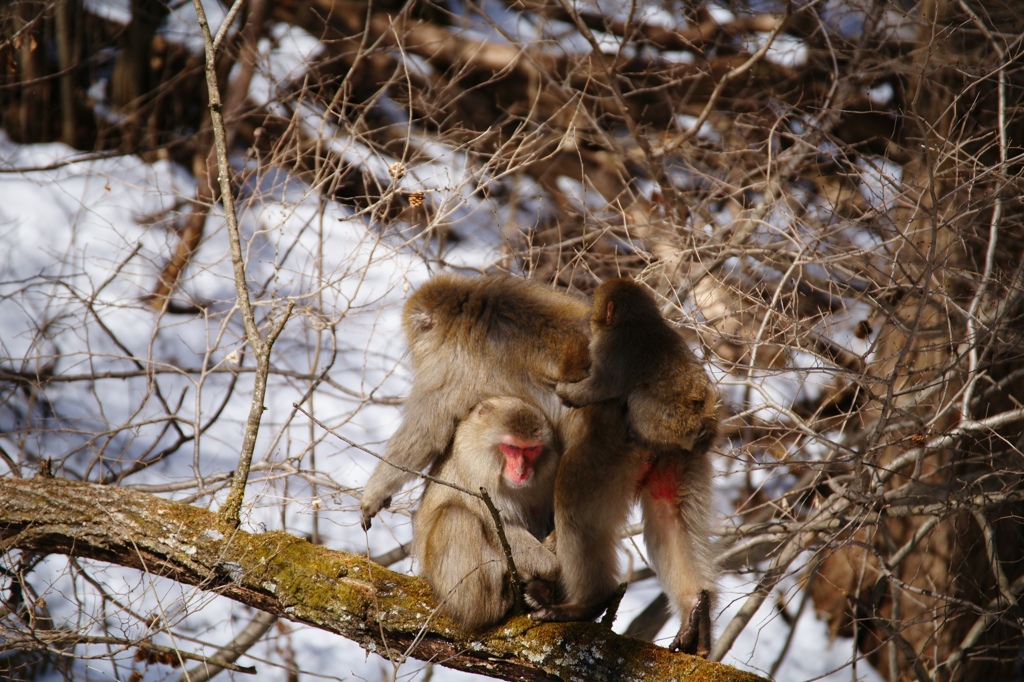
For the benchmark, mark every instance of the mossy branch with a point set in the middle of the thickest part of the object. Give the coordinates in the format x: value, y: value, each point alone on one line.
x: 337, y: 592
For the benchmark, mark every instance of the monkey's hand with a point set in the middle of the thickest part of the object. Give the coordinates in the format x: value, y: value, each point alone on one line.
x: 694, y: 637
x: 370, y: 509
x: 563, y: 389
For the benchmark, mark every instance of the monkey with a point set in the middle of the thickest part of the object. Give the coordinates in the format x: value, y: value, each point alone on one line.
x: 638, y: 361
x: 675, y: 496
x: 470, y: 338
x: 509, y: 447
x: 635, y: 355
x: 474, y: 337
x: 594, y: 490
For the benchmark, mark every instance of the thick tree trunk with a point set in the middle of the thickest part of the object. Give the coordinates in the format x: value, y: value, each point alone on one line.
x: 335, y: 591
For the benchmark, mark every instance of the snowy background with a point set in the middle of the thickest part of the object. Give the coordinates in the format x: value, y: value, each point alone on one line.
x: 83, y: 241
x: 76, y: 263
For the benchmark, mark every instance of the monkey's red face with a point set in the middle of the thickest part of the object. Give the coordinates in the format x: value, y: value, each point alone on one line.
x: 519, y: 458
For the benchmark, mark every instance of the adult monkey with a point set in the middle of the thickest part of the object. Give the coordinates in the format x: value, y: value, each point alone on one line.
x: 471, y: 338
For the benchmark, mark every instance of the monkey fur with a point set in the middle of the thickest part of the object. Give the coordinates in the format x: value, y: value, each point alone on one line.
x: 470, y: 338
x: 508, y: 447
x: 638, y: 359
x: 594, y: 490
x: 474, y: 337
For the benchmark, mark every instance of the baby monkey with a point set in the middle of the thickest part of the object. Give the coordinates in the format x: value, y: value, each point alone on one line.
x: 636, y: 356
x: 638, y: 359
x: 507, y: 446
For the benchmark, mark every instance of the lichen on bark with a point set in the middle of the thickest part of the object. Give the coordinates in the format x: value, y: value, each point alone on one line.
x: 384, y: 612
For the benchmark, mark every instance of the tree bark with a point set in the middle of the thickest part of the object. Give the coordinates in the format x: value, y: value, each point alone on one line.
x: 384, y: 612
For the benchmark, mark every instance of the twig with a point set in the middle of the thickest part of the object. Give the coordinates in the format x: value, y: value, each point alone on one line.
x: 769, y: 580
x: 668, y: 187
x: 992, y: 552
x: 232, y: 651
x: 904, y: 647
x: 229, y: 513
x: 724, y: 80
x: 608, y: 619
x: 414, y: 472
x: 993, y: 228
x: 63, y: 643
x: 513, y: 575
x: 805, y: 597
x: 233, y: 504
x: 980, y: 626
x: 648, y: 624
x: 392, y: 556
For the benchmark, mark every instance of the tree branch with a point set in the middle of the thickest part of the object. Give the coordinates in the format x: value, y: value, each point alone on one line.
x: 232, y: 651
x: 261, y: 346
x: 334, y: 591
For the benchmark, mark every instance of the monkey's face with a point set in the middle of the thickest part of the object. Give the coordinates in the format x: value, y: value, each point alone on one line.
x: 520, y: 455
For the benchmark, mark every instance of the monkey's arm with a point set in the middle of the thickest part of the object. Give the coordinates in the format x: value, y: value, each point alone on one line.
x: 594, y: 389
x: 424, y: 434
x: 594, y: 490
x: 465, y: 571
x: 532, y: 559
x: 538, y: 568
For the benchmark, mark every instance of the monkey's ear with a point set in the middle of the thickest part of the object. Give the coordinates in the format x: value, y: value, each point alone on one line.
x: 483, y: 408
x: 421, y: 321
x: 609, y: 312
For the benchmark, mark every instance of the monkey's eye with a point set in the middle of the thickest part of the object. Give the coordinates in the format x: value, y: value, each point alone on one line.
x: 527, y: 453
x: 532, y: 453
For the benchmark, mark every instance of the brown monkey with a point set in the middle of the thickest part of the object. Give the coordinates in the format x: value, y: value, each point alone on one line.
x: 470, y: 338
x: 594, y: 490
x: 671, y: 407
x: 675, y: 495
x: 474, y: 337
x: 508, y: 447
x: 636, y: 356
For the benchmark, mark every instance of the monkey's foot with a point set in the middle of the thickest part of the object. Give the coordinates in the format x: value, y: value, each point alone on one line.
x: 564, y: 613
x: 694, y: 637
x: 540, y: 594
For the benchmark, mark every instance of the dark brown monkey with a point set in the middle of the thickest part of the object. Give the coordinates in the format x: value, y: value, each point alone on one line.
x: 671, y: 405
x: 470, y: 338
x: 508, y: 447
